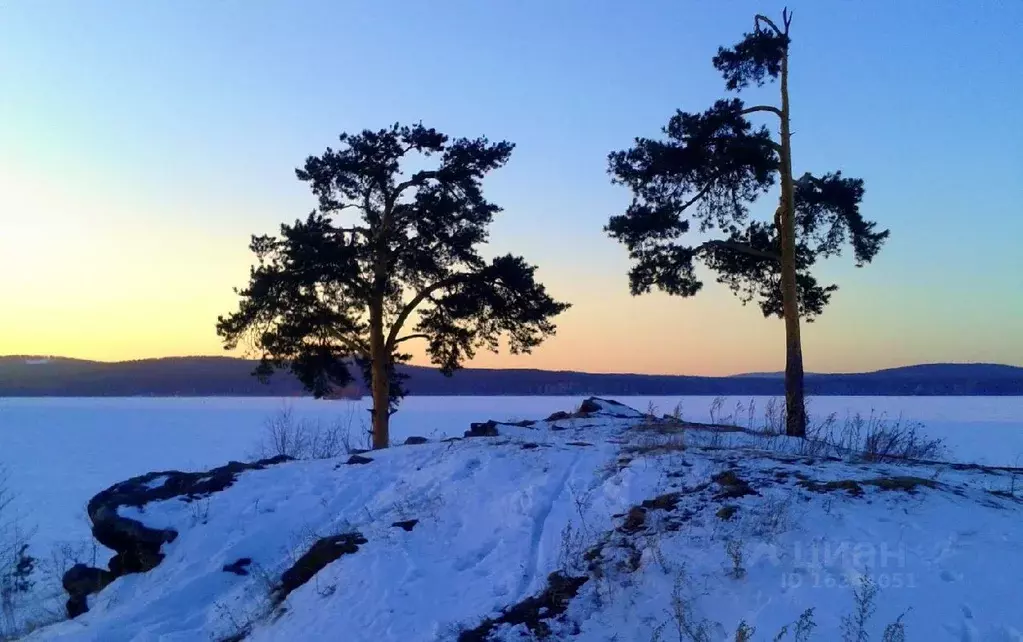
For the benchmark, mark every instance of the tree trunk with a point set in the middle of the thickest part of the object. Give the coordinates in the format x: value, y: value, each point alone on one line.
x: 795, y: 408
x: 380, y: 382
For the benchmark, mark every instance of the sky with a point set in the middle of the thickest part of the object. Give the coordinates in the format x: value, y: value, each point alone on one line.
x: 142, y: 143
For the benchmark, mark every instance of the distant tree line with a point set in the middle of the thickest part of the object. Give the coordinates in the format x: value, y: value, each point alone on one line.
x: 226, y: 376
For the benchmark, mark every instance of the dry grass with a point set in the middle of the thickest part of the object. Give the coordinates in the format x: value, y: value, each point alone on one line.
x: 298, y: 438
x: 18, y: 568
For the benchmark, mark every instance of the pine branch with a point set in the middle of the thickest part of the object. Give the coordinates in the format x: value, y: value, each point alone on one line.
x: 410, y: 337
x: 762, y: 18
x: 699, y: 195
x: 739, y: 247
x: 417, y: 179
x: 422, y: 295
x: 355, y: 229
x: 749, y: 110
x: 721, y: 139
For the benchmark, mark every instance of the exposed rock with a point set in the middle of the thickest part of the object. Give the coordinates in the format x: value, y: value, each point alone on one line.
x: 483, y: 429
x: 137, y: 546
x: 533, y: 612
x: 597, y: 406
x: 589, y: 406
x: 636, y: 517
x: 727, y: 511
x: 635, y: 520
x: 530, y: 446
x: 608, y: 408
x: 80, y: 581
x: 358, y: 459
x: 415, y: 441
x: 855, y: 487
x: 239, y: 566
x: 525, y: 423
x: 323, y: 552
x: 732, y: 486
x: 489, y: 428
x: 407, y: 524
x: 668, y: 501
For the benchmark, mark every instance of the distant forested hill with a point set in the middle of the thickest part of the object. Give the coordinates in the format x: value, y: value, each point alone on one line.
x: 224, y: 376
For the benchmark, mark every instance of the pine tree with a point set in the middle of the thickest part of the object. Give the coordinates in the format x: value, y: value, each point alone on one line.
x: 709, y: 170
x: 342, y: 287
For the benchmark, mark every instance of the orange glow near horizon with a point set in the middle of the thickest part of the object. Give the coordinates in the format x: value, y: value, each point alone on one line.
x: 95, y: 283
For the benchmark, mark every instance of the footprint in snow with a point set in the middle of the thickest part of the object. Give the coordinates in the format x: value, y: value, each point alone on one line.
x: 471, y: 466
x: 964, y: 632
x: 473, y: 559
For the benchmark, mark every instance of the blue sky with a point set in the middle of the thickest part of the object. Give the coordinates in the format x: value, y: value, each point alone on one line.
x: 142, y: 142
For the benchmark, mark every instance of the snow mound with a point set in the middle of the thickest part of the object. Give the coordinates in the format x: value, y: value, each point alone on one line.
x: 597, y: 524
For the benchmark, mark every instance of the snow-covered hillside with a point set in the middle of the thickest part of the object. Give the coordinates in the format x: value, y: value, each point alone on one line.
x: 599, y: 525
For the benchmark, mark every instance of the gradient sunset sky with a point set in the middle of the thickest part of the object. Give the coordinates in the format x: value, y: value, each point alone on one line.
x: 141, y: 143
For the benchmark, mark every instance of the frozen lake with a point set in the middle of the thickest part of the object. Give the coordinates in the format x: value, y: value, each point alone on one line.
x: 59, y: 452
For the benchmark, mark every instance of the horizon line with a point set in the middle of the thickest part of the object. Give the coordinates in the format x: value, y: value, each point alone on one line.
x: 521, y: 369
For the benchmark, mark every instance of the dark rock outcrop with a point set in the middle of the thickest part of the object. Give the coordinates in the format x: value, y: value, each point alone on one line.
x: 607, y: 408
x: 358, y: 459
x: 489, y: 428
x: 533, y: 612
x: 589, y: 406
x: 596, y: 406
x: 323, y: 552
x: 137, y: 546
x: 81, y: 581
x: 732, y: 486
x: 406, y: 525
x: 483, y: 429
x: 239, y: 567
x: 415, y: 441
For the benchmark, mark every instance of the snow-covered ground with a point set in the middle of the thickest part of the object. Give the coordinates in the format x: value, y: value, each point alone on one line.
x: 655, y: 533
x: 60, y: 452
x: 496, y: 519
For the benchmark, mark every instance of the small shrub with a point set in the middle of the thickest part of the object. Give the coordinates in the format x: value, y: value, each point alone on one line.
x: 675, y: 416
x: 773, y: 517
x: 572, y: 550
x: 734, y: 549
x: 895, y: 631
x: 284, y: 434
x: 744, y: 632
x: 17, y: 566
x: 854, y: 625
x: 774, y: 418
x: 687, y: 625
x: 200, y: 511
x: 875, y: 437
x: 715, y: 410
x: 804, y: 626
x: 236, y: 627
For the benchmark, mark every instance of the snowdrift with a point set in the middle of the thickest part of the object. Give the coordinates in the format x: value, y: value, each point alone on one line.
x: 599, y: 524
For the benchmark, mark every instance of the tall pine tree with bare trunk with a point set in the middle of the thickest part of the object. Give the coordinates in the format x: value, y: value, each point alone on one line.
x: 708, y: 171
x: 390, y: 256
